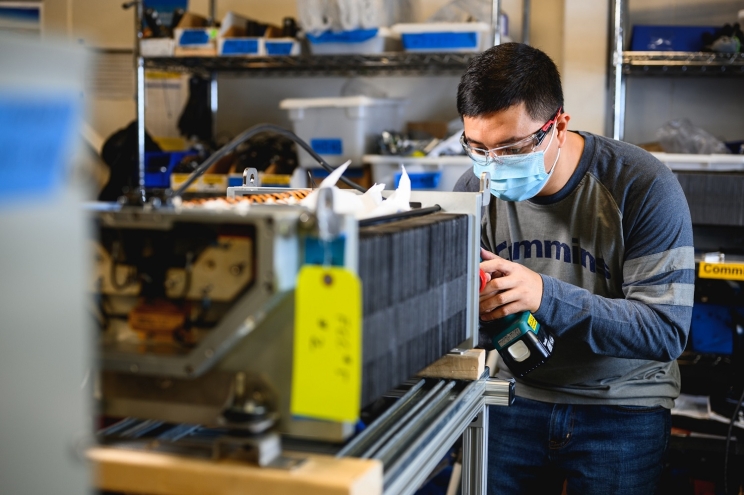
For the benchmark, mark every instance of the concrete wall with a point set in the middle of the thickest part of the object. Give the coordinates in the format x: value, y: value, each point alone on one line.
x: 584, y: 68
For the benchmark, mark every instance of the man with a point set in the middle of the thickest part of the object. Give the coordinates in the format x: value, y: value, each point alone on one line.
x: 593, y: 236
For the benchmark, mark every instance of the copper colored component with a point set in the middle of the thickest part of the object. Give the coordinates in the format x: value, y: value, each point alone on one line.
x: 276, y: 198
x: 156, y: 321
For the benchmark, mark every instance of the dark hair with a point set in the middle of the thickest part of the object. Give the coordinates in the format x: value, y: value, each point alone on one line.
x: 508, y: 75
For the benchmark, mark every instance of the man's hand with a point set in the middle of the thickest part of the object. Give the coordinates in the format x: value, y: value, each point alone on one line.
x: 513, y: 288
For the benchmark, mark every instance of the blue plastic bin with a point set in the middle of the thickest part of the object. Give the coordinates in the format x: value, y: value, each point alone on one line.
x: 669, y: 38
x: 440, y: 41
x: 421, y: 180
x: 159, y: 166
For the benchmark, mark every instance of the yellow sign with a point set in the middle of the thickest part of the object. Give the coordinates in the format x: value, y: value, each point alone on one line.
x: 532, y: 322
x: 327, y: 363
x: 724, y: 271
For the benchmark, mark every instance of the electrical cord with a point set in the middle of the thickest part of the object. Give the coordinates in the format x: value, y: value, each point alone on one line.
x: 728, y: 442
x: 246, y: 135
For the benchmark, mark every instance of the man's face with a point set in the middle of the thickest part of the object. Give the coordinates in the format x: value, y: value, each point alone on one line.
x: 507, y: 127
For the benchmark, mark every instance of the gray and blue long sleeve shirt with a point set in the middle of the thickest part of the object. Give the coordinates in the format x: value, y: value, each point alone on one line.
x: 614, y: 249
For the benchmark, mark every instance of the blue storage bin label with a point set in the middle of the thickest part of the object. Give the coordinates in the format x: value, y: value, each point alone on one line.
x: 240, y: 47
x: 194, y: 37
x: 327, y: 146
x: 279, y: 47
x: 422, y: 41
x: 353, y: 36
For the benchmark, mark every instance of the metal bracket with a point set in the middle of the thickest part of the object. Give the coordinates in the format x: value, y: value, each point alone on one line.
x: 485, y: 192
x: 329, y: 223
x: 485, y: 188
x: 250, y: 177
x: 475, y: 455
x: 264, y: 450
x: 499, y: 392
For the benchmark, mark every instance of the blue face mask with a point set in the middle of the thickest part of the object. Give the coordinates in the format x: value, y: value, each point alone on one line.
x: 517, y: 177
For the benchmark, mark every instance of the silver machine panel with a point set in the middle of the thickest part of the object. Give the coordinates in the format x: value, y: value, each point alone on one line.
x: 196, y: 308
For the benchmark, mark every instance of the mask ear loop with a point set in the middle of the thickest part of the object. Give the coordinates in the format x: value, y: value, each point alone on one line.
x: 555, y: 130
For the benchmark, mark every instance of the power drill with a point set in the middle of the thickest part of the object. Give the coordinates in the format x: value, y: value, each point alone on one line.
x: 520, y: 339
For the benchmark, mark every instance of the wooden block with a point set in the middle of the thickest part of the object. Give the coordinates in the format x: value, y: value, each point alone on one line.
x: 467, y: 366
x: 152, y: 473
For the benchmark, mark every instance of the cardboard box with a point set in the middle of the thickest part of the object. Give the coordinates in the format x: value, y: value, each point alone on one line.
x: 193, y: 37
x: 233, y: 41
x: 157, y: 47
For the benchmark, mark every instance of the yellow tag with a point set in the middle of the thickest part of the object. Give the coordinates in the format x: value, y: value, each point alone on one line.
x: 276, y: 179
x: 178, y: 179
x: 723, y: 271
x: 327, y: 364
x: 531, y: 321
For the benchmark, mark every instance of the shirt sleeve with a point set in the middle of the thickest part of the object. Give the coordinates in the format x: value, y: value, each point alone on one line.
x: 652, y: 321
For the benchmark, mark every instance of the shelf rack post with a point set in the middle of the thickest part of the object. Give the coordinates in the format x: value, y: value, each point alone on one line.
x: 526, y: 22
x: 496, y: 21
x: 140, y: 98
x: 616, y: 80
x: 213, y: 85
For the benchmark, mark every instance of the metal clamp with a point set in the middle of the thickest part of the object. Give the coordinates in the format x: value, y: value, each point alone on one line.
x: 329, y: 223
x: 485, y: 188
x: 499, y: 392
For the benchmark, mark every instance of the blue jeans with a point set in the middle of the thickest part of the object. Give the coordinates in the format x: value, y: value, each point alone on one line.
x: 533, y: 447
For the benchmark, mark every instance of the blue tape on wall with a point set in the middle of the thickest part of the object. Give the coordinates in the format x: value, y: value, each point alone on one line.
x: 36, y: 135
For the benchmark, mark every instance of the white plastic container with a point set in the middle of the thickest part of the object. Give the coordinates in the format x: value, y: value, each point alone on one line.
x: 426, y: 173
x: 344, y: 128
x: 368, y: 41
x: 701, y: 163
x: 444, y: 36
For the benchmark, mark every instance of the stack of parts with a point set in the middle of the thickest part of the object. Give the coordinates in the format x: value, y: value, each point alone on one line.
x: 281, y: 198
x: 414, y: 279
x: 714, y: 198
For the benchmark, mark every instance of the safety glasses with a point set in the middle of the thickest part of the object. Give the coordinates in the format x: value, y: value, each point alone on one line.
x: 521, y: 147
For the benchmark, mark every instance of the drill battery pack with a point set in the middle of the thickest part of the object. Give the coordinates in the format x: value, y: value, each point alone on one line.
x: 521, y: 341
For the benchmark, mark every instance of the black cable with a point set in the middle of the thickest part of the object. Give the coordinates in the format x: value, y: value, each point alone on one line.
x: 728, y: 442
x: 246, y: 135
